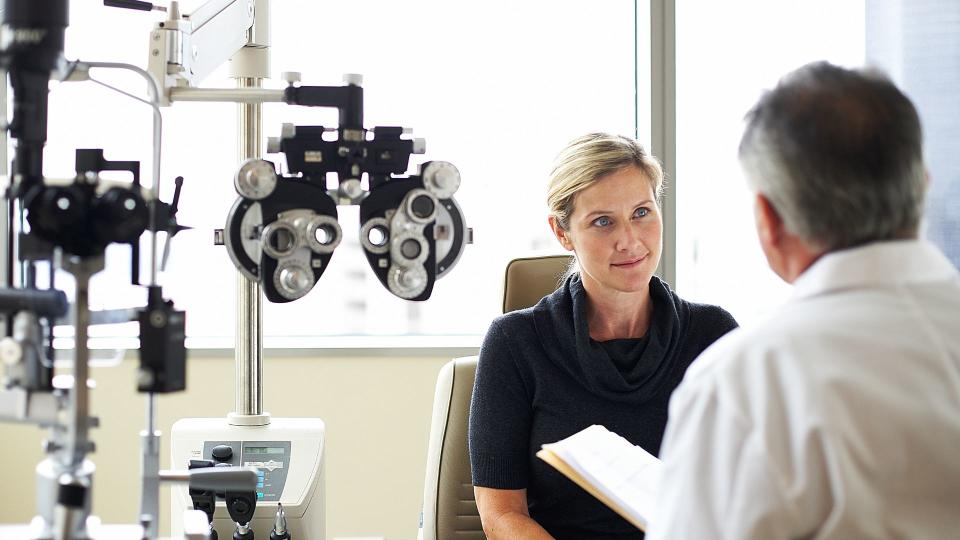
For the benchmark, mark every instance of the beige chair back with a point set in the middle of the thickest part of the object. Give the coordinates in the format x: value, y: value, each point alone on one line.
x: 449, y: 508
x: 528, y: 280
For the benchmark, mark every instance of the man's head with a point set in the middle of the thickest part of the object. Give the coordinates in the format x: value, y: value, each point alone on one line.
x: 835, y: 159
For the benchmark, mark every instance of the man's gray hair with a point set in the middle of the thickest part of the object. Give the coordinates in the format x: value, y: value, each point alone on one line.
x: 839, y: 155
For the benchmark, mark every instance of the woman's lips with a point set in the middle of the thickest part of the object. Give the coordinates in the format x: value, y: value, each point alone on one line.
x: 630, y: 263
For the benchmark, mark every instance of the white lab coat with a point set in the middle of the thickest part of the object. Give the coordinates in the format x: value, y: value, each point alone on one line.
x: 839, y: 417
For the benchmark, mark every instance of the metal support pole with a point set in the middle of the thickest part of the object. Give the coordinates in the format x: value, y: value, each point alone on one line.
x: 78, y: 426
x: 663, y: 122
x: 7, y: 254
x: 150, y: 467
x: 243, y: 94
x: 249, y: 344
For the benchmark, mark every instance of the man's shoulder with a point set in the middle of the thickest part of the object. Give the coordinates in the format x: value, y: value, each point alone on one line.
x: 755, y: 354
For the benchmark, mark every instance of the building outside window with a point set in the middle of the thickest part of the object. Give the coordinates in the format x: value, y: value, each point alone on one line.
x: 918, y: 43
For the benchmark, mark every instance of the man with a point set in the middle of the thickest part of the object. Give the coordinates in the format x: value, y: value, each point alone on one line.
x: 839, y: 416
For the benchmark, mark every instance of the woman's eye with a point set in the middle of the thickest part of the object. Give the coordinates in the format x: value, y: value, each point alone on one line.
x: 602, y: 221
x: 640, y: 212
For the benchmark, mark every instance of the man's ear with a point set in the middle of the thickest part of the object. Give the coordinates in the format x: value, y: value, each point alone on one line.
x: 560, y: 233
x: 769, y: 223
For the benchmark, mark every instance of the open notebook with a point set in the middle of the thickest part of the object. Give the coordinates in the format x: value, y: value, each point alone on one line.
x: 623, y: 476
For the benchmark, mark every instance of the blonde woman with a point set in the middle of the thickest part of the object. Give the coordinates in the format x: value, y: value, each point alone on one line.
x: 608, y: 347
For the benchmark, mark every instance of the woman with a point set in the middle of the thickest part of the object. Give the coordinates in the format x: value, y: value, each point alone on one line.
x: 608, y: 347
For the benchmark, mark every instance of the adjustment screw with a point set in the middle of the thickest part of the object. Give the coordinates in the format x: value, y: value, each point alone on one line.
x: 351, y: 189
x: 144, y: 378
x: 274, y: 145
x: 292, y: 77
x: 11, y: 351
x: 411, y: 279
x: 158, y: 319
x: 419, y: 146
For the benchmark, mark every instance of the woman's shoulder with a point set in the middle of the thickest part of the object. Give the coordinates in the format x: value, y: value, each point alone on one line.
x: 510, y: 341
x: 524, y: 331
x: 709, y: 319
x: 710, y: 312
x: 513, y: 321
x: 698, y: 314
x: 525, y: 320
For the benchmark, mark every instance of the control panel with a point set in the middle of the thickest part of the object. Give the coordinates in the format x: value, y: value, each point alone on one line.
x: 270, y: 458
x: 288, y: 454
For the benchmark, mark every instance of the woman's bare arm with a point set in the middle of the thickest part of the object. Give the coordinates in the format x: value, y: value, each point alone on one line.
x: 504, y: 515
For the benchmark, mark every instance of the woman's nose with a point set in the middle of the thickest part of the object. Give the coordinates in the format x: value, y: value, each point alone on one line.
x: 628, y: 237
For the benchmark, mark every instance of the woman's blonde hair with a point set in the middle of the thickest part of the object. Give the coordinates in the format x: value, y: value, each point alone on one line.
x: 589, y: 158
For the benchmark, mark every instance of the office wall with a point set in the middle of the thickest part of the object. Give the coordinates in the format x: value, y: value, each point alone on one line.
x: 376, y: 409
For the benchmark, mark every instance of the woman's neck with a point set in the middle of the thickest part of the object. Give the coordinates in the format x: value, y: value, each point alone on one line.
x: 614, y: 314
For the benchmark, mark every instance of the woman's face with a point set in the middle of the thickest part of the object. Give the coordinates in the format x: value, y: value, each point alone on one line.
x: 616, y: 232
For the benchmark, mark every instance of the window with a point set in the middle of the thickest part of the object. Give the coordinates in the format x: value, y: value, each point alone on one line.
x: 727, y: 54
x: 918, y: 44
x: 496, y: 87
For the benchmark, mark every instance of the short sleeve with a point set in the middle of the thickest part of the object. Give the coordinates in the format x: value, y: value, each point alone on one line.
x: 500, y: 415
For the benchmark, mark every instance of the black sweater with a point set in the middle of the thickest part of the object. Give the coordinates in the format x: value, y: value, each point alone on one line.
x: 541, y: 378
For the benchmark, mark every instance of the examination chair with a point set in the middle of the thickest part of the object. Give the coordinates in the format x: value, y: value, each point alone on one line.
x: 449, y: 509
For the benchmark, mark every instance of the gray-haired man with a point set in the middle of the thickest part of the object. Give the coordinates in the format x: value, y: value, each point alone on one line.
x: 839, y: 416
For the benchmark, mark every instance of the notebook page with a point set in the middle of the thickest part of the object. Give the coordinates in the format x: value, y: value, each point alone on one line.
x: 626, y: 473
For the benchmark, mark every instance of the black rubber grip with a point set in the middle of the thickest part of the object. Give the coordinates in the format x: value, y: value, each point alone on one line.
x: 129, y: 4
x: 49, y: 303
x: 71, y: 495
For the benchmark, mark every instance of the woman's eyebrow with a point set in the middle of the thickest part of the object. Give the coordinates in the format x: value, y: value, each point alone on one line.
x: 600, y: 212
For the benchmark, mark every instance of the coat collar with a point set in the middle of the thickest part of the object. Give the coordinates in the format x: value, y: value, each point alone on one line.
x: 875, y: 265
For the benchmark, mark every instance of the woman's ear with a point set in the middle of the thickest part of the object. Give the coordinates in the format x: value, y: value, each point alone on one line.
x: 560, y: 233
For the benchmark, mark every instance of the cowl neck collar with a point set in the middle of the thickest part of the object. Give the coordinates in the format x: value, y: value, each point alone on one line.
x: 561, y: 324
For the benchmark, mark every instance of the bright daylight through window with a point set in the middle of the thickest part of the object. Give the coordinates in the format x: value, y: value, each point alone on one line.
x: 496, y: 88
x: 727, y: 54
x: 730, y: 52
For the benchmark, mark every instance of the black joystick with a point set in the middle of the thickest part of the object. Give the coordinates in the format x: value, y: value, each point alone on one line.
x: 222, y: 453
